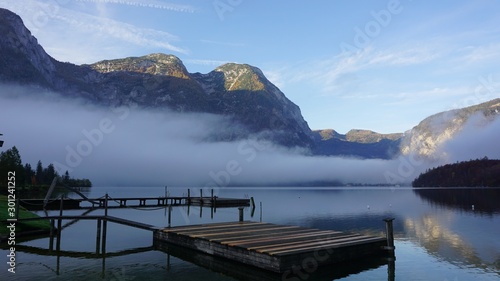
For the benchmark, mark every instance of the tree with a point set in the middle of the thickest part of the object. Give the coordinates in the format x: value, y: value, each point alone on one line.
x: 39, y: 172
x: 48, y: 174
x: 10, y: 161
x: 29, y: 174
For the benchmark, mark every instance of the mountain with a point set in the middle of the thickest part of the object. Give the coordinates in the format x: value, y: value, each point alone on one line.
x: 238, y: 91
x: 357, y: 143
x: 425, y: 138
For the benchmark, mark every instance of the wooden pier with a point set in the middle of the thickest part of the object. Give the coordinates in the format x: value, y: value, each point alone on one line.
x: 133, y: 202
x: 276, y: 248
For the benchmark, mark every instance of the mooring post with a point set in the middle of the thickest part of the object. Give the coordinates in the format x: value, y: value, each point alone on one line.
x: 59, y: 224
x: 212, y: 195
x: 98, y: 236
x: 104, y: 226
x: 106, y: 205
x: 189, y: 196
x: 169, y: 215
x: 201, y: 196
x: 260, y: 211
x: 240, y: 209
x: 51, y: 235
x: 390, y: 235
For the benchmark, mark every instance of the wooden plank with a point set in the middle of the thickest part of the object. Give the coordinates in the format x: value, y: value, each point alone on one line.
x: 223, y: 229
x: 314, y: 243
x: 293, y: 240
x: 204, y: 235
x: 206, y: 226
x: 329, y: 245
x: 252, y: 237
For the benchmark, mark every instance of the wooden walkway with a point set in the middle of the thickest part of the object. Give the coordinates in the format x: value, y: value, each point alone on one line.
x: 139, y: 202
x: 272, y: 247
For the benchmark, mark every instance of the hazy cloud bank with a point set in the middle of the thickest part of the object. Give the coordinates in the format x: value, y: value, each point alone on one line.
x: 137, y: 147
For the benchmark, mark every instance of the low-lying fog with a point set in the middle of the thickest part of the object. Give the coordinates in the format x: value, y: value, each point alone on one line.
x: 138, y: 147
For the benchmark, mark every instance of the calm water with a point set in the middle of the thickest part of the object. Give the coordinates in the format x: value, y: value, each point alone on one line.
x: 440, y: 235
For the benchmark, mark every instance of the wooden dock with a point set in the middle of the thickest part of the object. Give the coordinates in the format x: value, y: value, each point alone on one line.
x: 136, y: 202
x: 276, y: 248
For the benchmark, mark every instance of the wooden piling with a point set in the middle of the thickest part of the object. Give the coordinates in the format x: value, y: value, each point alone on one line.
x: 59, y: 224
x: 389, y: 235
x: 51, y: 235
x: 104, y: 226
x: 240, y: 209
x: 169, y: 215
x: 98, y: 236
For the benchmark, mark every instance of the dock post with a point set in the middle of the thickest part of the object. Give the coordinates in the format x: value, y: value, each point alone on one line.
x: 201, y: 196
x: 212, y: 196
x: 104, y: 226
x: 51, y: 235
x: 59, y: 225
x: 240, y: 209
x: 261, y: 211
x: 189, y: 196
x: 169, y: 215
x: 390, y: 235
x: 98, y: 236
x: 106, y: 205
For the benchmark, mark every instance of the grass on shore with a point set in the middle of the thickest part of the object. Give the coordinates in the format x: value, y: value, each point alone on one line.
x: 23, y: 213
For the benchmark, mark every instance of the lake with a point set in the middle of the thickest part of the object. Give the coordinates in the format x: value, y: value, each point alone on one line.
x: 445, y: 234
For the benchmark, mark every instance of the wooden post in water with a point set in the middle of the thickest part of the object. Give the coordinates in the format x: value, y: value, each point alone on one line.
x: 189, y: 196
x: 390, y: 235
x: 240, y: 209
x: 59, y: 224
x: 201, y: 196
x: 98, y: 237
x: 169, y: 215
x: 51, y: 235
x: 260, y: 211
x: 104, y: 226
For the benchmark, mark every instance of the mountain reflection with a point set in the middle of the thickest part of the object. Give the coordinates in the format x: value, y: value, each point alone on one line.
x: 442, y: 242
x: 478, y: 200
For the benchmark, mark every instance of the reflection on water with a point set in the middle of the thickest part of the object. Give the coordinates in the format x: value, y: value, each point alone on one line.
x: 479, y: 200
x: 438, y: 236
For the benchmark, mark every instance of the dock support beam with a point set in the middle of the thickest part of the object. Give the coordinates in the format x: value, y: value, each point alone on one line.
x: 169, y: 215
x: 104, y: 226
x: 59, y: 225
x: 98, y: 237
x: 390, y: 235
x: 240, y: 209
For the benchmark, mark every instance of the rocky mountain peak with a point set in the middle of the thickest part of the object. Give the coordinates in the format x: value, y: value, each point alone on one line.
x: 154, y: 64
x: 23, y: 58
x: 242, y: 77
x: 425, y: 138
x: 367, y: 136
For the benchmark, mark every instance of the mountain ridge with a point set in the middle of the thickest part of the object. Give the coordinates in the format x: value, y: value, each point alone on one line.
x: 240, y: 92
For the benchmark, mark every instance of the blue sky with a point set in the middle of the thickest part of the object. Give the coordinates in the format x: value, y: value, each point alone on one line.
x: 379, y: 65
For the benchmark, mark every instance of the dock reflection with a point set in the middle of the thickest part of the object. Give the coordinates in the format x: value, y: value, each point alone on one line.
x: 249, y: 273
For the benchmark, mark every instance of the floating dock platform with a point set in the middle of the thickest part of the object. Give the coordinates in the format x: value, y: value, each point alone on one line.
x: 276, y: 248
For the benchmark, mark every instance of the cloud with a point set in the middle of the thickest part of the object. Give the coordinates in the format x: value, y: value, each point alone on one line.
x: 147, y: 4
x: 89, y: 34
x: 136, y: 147
x: 478, y: 138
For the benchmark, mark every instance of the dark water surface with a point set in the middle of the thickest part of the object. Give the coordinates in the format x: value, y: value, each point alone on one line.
x: 451, y: 234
